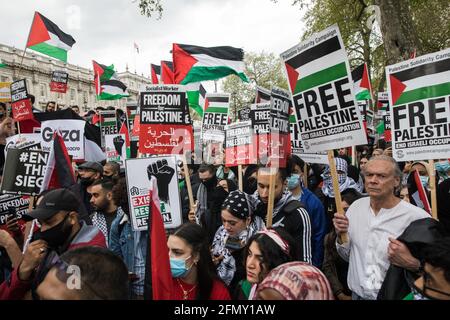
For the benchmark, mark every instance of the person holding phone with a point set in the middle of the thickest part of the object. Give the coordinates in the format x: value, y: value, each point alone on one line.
x: 238, y: 225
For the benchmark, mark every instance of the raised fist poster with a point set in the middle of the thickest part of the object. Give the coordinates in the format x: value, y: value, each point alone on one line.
x: 139, y: 173
x: 116, y: 148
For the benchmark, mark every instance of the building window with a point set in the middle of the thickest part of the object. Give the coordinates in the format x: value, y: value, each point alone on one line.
x: 5, y: 79
x: 42, y: 90
x: 72, y: 94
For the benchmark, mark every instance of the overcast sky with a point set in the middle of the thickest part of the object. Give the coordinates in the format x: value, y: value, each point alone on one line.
x: 105, y: 30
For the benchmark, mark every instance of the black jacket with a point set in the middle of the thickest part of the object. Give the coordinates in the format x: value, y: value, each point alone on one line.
x: 416, y: 236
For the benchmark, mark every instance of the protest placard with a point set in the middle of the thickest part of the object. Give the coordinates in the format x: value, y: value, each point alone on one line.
x: 138, y: 175
x: 131, y: 111
x: 244, y: 114
x: 115, y: 148
x: 5, y: 91
x: 164, y: 127
x: 419, y: 99
x: 262, y: 95
x: 280, y: 146
x: 72, y: 131
x: 59, y: 81
x: 239, y: 144
x: 215, y: 117
x: 20, y: 103
x: 260, y: 117
x: 24, y: 171
x: 108, y: 124
x: 322, y: 92
x: 12, y: 204
x: 24, y: 141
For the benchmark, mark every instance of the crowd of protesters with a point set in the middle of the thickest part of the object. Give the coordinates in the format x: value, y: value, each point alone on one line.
x: 386, y: 246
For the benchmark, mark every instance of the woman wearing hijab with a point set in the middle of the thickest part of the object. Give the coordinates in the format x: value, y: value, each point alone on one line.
x: 238, y: 225
x: 326, y: 193
x: 294, y: 281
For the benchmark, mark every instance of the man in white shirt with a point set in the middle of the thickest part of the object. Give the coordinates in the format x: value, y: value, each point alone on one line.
x: 373, y: 223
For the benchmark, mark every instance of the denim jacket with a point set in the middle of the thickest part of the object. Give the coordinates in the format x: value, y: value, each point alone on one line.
x: 122, y: 242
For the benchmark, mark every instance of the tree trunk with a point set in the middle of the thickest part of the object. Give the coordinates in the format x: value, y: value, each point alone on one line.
x: 399, y: 34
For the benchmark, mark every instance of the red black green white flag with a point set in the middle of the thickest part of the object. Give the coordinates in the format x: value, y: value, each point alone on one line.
x: 47, y: 38
x: 155, y: 73
x: 107, y: 84
x: 361, y: 83
x: 195, y: 64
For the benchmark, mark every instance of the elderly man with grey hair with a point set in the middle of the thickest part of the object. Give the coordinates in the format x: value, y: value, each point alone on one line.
x: 373, y: 223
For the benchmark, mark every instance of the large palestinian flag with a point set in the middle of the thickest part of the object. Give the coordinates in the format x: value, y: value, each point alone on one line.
x: 196, y: 95
x: 195, y: 64
x: 107, y: 84
x: 156, y: 73
x: 47, y: 38
x: 361, y: 83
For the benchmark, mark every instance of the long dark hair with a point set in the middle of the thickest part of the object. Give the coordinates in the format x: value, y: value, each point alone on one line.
x: 196, y: 237
x: 272, y: 254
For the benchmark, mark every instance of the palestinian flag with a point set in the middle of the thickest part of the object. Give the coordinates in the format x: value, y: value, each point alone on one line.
x: 383, y: 101
x: 156, y: 73
x: 59, y: 172
x: 417, y: 194
x: 421, y: 81
x: 305, y: 70
x: 107, y: 84
x: 361, y: 83
x: 217, y: 103
x: 47, y: 38
x: 262, y: 95
x: 195, y: 64
x: 124, y: 130
x: 2, y: 64
x: 167, y: 76
x: 196, y: 95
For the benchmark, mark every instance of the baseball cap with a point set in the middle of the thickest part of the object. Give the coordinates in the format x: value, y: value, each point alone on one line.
x: 52, y: 202
x: 92, y: 165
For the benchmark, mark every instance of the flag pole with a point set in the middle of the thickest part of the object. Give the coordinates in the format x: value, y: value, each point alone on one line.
x: 337, y: 193
x: 432, y: 175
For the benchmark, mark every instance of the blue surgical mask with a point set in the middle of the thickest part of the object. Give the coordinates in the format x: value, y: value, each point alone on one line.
x: 442, y: 167
x: 293, y: 181
x: 178, y: 267
x: 424, y: 180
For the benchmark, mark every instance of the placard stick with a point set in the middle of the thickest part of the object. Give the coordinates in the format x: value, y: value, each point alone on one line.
x: 305, y: 175
x: 240, y: 182
x: 337, y: 193
x: 354, y: 155
x: 432, y: 175
x: 188, y: 182
x: 270, y: 205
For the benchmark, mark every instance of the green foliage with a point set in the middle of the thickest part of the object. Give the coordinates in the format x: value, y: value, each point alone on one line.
x: 150, y: 7
x: 263, y: 69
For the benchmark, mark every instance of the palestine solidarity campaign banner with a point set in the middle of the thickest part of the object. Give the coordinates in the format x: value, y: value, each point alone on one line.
x: 322, y: 92
x: 419, y: 96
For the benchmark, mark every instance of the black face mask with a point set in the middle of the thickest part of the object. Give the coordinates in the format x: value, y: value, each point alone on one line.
x: 211, y: 182
x: 251, y: 186
x: 55, y: 236
x: 109, y: 178
x: 86, y: 181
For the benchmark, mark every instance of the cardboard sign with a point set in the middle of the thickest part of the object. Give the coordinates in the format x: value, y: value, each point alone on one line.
x: 322, y: 91
x: 116, y: 148
x: 12, y: 204
x: 164, y: 123
x: 5, y: 91
x: 138, y: 174
x: 299, y: 150
x: 239, y: 144
x: 72, y: 131
x: 20, y: 104
x: 59, y: 81
x: 419, y: 96
x: 215, y: 117
x: 244, y: 114
x: 260, y: 117
x: 24, y: 171
x: 108, y: 124
x: 24, y: 141
x: 132, y: 111
x: 280, y: 147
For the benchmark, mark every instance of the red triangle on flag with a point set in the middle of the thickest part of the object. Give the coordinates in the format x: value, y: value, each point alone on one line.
x: 38, y: 31
x: 182, y: 63
x: 292, y: 76
x: 397, y: 88
x: 365, y: 82
x: 206, y: 105
x: 124, y: 130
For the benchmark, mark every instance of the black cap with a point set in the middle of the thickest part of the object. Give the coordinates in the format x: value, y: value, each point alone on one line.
x: 92, y: 165
x: 53, y: 202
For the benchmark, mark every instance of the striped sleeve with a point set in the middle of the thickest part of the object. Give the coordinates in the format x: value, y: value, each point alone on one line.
x: 305, y: 236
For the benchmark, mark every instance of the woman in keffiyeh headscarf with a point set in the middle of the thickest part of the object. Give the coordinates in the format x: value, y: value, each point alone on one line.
x: 294, y: 281
x: 238, y: 225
